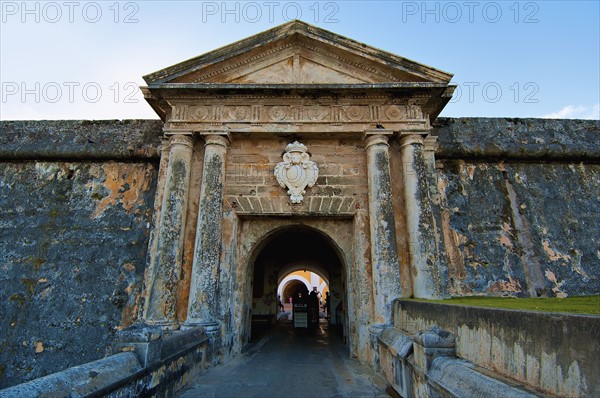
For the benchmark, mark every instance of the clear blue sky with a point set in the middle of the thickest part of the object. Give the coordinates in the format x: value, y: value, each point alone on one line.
x: 84, y: 60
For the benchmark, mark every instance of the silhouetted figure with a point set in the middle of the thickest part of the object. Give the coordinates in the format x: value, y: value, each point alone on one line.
x: 313, y: 307
x: 326, y: 306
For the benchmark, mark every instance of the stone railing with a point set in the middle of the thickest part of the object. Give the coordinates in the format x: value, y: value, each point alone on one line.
x: 146, y: 362
x: 457, y: 351
x: 425, y: 365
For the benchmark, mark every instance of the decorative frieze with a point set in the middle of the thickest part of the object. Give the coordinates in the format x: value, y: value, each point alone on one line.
x: 295, y: 113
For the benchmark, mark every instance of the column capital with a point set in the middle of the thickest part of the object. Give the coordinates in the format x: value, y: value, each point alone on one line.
x: 216, y: 139
x: 181, y: 140
x: 430, y: 143
x: 423, y: 131
x: 165, y: 145
x: 377, y: 137
x: 410, y: 139
x: 171, y: 132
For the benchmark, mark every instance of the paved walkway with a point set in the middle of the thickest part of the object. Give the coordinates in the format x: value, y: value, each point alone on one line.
x: 290, y: 363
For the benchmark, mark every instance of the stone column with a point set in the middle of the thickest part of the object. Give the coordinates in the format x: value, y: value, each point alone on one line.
x: 384, y: 252
x: 362, y: 285
x: 420, y: 224
x: 153, y: 236
x: 203, y: 307
x: 429, y: 147
x: 162, y: 299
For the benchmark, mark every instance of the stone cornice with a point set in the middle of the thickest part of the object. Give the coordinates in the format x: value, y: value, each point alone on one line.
x: 296, y: 86
x: 428, y: 97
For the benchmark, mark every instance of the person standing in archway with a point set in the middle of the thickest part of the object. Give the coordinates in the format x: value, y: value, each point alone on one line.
x: 326, y: 306
x: 313, y: 305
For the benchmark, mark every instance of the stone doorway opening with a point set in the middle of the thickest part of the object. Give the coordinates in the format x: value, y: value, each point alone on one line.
x: 304, y: 282
x: 284, y: 266
x: 289, y: 284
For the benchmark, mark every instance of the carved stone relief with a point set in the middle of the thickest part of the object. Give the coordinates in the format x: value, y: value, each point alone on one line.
x: 295, y: 113
x: 296, y: 172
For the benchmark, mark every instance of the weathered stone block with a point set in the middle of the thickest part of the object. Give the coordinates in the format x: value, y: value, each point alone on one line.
x: 431, y: 344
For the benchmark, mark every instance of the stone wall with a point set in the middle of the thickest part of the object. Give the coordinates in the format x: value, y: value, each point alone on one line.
x: 75, y: 209
x: 515, y: 208
x: 517, y: 205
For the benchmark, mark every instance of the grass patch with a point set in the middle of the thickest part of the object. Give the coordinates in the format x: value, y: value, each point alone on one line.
x: 573, y: 305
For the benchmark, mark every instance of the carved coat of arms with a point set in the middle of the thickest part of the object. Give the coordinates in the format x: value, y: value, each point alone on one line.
x: 297, y: 171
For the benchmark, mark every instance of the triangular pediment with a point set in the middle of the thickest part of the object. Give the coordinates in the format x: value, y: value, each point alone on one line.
x: 297, y: 53
x: 295, y: 69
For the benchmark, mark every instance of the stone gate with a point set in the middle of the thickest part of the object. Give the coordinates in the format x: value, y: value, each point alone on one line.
x: 292, y: 150
x: 227, y: 231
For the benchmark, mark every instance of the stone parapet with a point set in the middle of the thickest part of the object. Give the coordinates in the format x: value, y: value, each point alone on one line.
x: 425, y: 365
x: 457, y: 138
x: 146, y: 362
x: 511, y: 138
x: 552, y: 353
x: 80, y: 139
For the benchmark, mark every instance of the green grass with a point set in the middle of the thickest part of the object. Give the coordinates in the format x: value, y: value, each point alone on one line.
x: 573, y: 305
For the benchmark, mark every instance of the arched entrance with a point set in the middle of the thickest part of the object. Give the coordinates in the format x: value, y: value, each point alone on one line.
x: 290, y: 288
x: 288, y: 250
x: 290, y: 283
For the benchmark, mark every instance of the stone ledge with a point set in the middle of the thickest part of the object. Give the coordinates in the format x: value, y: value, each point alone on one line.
x: 82, y: 380
x: 425, y: 365
x: 553, y: 353
x: 153, y: 363
x: 510, y: 138
x: 457, y: 378
x: 473, y: 138
x: 80, y: 139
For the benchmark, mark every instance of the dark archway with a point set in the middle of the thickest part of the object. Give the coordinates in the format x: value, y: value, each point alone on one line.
x: 296, y: 248
x: 290, y: 289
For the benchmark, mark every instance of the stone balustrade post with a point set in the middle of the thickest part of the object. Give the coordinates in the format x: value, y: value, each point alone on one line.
x: 431, y: 344
x: 384, y: 252
x: 162, y: 298
x: 203, y: 306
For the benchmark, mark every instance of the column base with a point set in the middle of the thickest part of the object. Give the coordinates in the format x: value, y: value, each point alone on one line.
x: 208, y: 326
x: 212, y: 329
x: 164, y: 324
x: 144, y: 339
x: 375, y: 330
